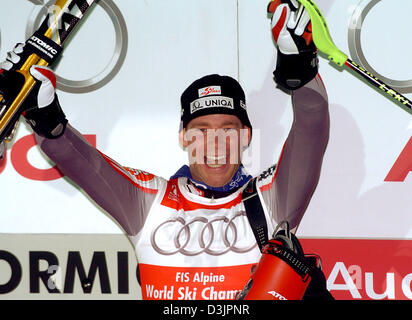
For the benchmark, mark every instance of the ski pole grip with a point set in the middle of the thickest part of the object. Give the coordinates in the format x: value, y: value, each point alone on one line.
x: 321, y: 35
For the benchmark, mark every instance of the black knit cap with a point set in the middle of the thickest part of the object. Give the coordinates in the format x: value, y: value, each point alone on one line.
x: 214, y: 94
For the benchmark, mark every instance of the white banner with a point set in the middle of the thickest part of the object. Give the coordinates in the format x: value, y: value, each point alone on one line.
x: 67, y: 266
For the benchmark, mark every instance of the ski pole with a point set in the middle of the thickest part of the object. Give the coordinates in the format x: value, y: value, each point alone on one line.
x: 325, y: 44
x: 46, y: 44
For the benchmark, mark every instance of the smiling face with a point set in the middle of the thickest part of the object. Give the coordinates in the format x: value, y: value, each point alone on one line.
x: 215, y: 143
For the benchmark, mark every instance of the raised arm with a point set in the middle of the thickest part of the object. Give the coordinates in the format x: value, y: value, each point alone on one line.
x: 126, y: 194
x: 288, y: 188
x: 299, y: 166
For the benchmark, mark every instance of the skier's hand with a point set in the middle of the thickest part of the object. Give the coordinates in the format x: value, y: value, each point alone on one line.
x: 297, y: 61
x: 291, y: 26
x: 44, y: 113
x: 41, y: 107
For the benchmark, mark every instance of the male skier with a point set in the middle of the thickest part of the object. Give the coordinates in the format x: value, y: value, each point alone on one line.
x: 191, y: 233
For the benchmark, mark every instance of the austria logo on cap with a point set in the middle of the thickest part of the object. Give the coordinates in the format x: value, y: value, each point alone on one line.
x: 211, y: 90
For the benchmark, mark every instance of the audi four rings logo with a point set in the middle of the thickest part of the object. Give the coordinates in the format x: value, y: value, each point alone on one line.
x: 110, y: 70
x: 188, y: 243
x: 355, y: 47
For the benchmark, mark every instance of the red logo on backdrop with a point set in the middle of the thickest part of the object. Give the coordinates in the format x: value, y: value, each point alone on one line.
x: 19, y: 160
x: 365, y: 268
x: 402, y: 166
x: 398, y: 173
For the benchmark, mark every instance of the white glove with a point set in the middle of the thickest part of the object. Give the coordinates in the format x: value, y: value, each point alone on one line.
x: 290, y: 22
x: 43, y: 111
x: 297, y: 61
